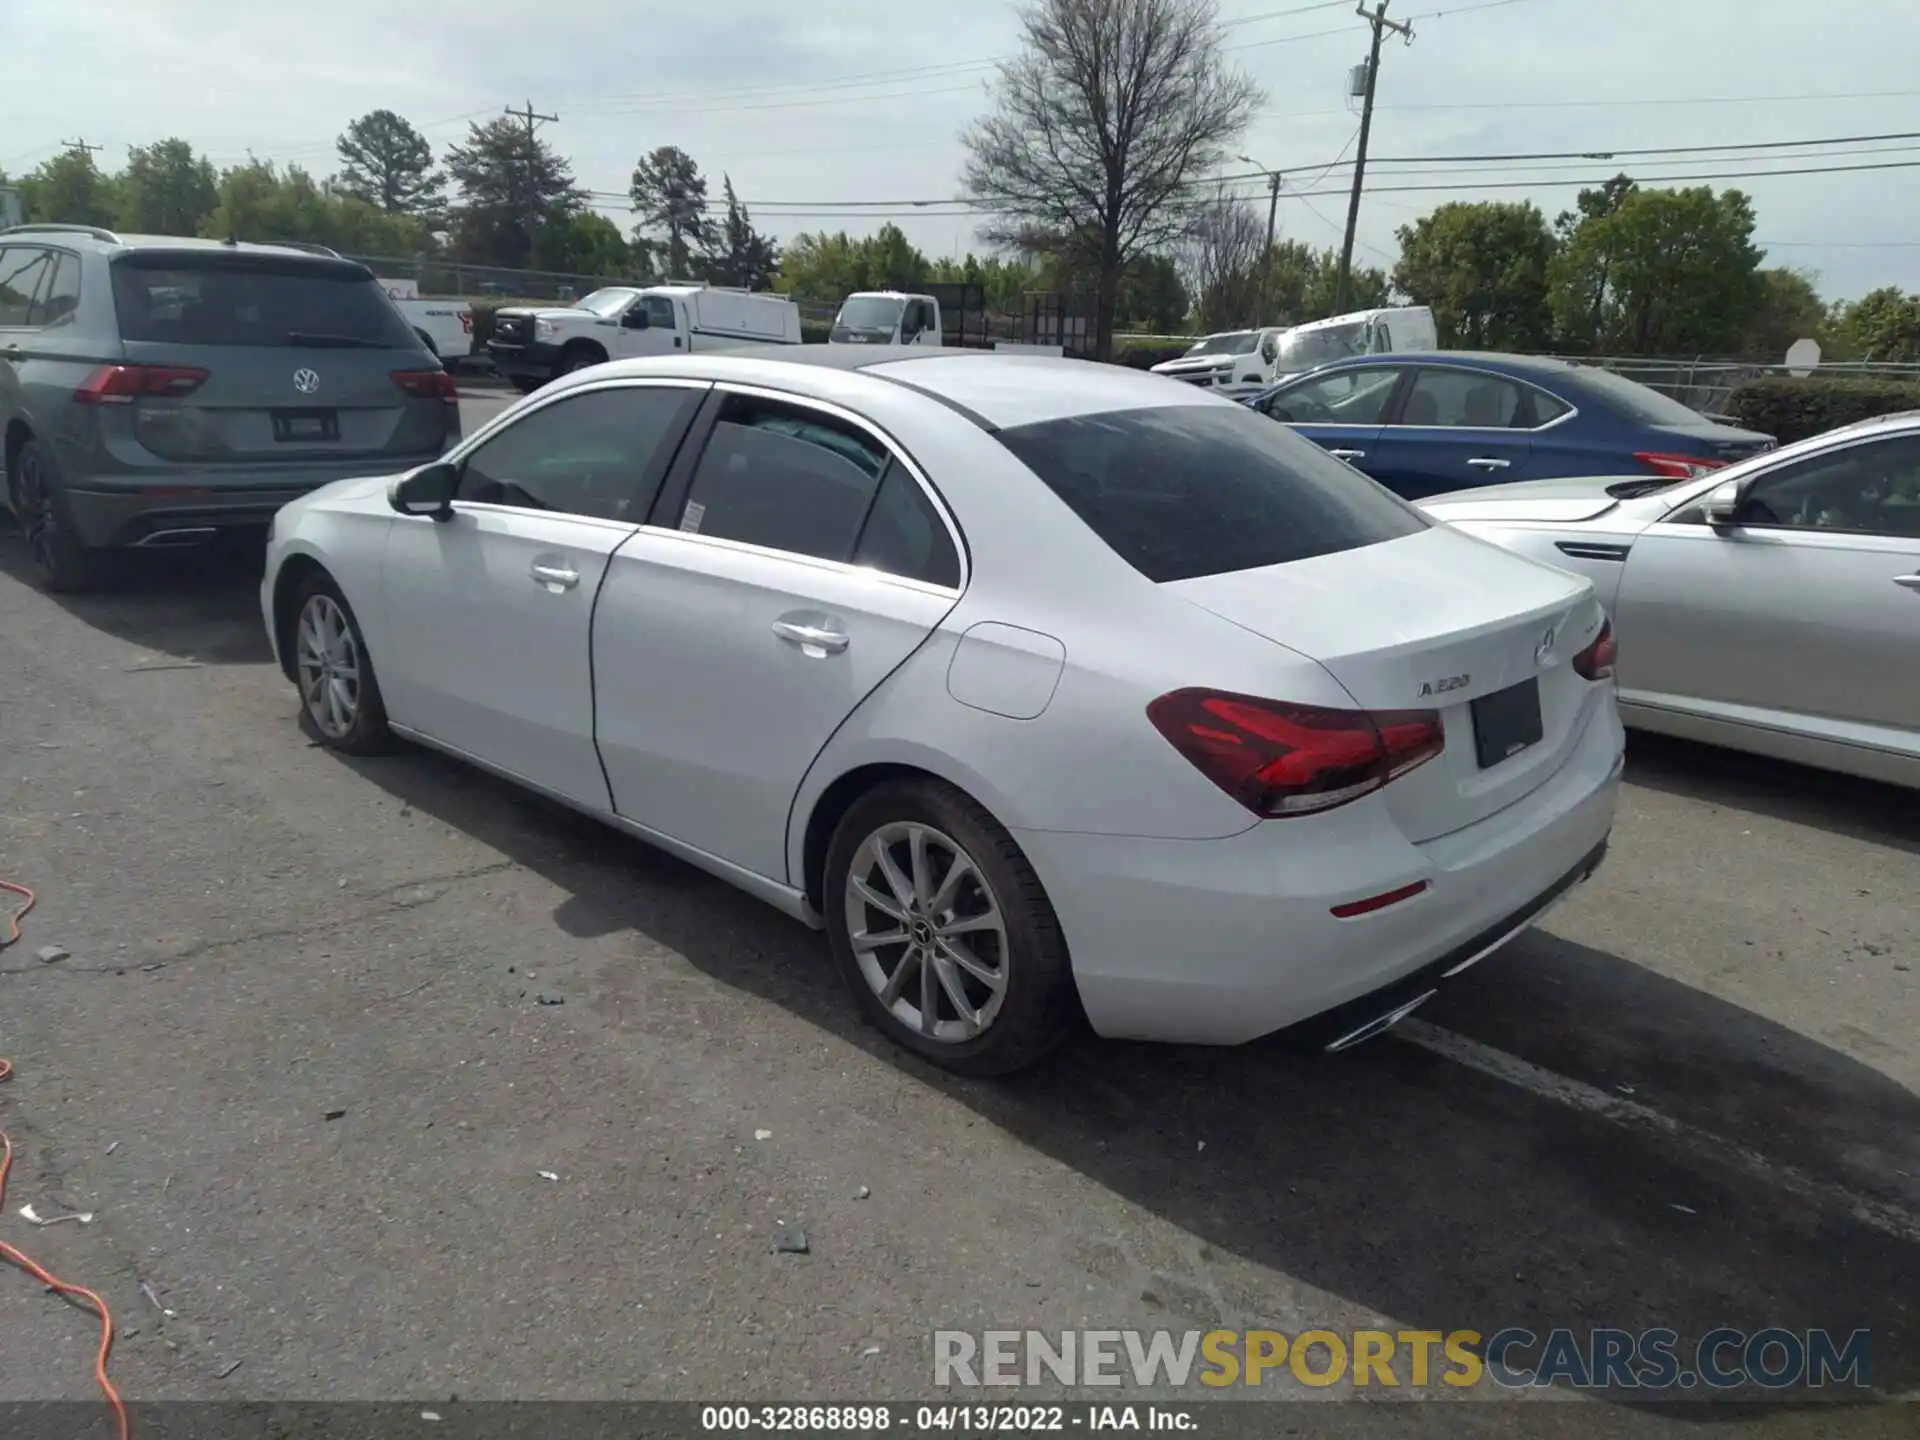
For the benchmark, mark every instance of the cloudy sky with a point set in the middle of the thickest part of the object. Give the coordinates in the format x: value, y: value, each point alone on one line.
x: 816, y: 105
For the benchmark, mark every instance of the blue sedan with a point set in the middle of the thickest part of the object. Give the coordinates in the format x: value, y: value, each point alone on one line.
x: 1424, y: 424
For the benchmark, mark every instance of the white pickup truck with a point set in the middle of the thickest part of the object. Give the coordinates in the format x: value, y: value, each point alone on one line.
x: 444, y: 326
x: 1245, y: 362
x: 531, y: 347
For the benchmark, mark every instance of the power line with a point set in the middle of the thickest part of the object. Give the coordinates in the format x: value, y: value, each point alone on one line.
x: 1612, y: 104
x: 1600, y: 153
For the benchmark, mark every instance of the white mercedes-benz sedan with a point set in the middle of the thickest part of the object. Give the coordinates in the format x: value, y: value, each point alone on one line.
x: 1046, y: 688
x: 1771, y: 607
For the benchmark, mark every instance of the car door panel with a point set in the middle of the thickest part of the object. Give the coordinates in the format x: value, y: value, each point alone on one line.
x: 723, y: 669
x: 489, y: 618
x: 1453, y: 429
x: 1339, y: 410
x: 1810, y: 628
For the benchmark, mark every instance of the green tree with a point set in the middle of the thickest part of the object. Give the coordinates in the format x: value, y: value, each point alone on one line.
x: 670, y: 194
x: 1302, y: 283
x: 1660, y: 272
x: 1790, y: 309
x: 738, y: 254
x: 822, y: 268
x: 1102, y: 124
x: 1483, y: 269
x: 259, y: 202
x: 587, y: 244
x: 389, y: 164
x: 69, y: 189
x: 511, y: 184
x: 1881, y: 325
x: 166, y: 189
x: 1152, y: 294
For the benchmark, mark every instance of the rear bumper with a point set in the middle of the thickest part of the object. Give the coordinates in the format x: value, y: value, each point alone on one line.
x: 185, y: 509
x: 1222, y: 941
x: 539, y: 360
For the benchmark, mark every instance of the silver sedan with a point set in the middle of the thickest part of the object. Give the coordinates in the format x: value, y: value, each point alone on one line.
x: 1772, y: 607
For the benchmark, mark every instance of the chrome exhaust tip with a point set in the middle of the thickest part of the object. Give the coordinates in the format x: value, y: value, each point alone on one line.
x: 1379, y: 1024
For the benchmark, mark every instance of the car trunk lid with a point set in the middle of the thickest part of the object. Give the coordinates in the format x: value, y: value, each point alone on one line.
x: 1436, y: 621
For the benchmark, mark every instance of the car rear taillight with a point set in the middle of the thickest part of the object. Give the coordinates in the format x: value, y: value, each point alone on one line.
x: 1678, y: 467
x: 1280, y: 759
x: 428, y: 385
x: 123, y: 384
x: 1596, y: 662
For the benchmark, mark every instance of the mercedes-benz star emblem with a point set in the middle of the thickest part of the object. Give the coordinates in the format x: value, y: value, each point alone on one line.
x: 1544, y: 650
x: 306, y: 381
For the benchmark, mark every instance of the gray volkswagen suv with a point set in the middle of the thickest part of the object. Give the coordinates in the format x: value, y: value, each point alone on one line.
x: 159, y: 391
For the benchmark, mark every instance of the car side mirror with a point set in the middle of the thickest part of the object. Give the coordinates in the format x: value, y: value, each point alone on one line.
x: 426, y: 491
x: 1722, y: 505
x: 634, y: 320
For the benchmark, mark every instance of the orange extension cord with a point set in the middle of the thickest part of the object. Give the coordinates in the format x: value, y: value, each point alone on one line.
x: 25, y: 1262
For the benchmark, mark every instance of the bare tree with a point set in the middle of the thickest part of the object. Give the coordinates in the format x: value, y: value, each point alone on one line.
x: 1224, y: 260
x: 1104, y: 122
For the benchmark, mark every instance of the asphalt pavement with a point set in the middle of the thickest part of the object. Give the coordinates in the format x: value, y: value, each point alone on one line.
x: 384, y: 1080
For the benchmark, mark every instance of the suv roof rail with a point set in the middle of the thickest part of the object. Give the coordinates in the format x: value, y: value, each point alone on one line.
x: 305, y: 245
x: 49, y: 228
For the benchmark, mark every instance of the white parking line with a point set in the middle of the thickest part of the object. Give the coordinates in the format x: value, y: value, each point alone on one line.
x: 1630, y: 1114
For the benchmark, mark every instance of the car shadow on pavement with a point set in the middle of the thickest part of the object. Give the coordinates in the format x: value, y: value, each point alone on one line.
x: 201, y: 604
x: 1861, y: 809
x: 1413, y: 1186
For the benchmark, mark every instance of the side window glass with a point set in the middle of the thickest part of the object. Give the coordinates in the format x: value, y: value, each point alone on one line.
x: 22, y: 269
x: 659, y: 311
x: 1869, y: 489
x: 59, y: 294
x: 904, y: 535
x: 1546, y: 408
x: 1349, y: 397
x: 784, y: 477
x: 1462, y: 399
x: 599, y: 454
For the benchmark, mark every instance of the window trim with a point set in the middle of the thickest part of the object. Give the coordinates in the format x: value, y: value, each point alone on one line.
x: 61, y: 258
x: 896, y: 455
x: 1518, y: 382
x: 516, y: 414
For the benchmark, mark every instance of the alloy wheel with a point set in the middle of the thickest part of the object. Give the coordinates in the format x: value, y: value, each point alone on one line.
x: 37, y: 515
x: 328, y: 658
x: 927, y: 931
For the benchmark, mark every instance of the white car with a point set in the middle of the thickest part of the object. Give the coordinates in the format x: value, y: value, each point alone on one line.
x: 1772, y: 606
x: 1037, y: 684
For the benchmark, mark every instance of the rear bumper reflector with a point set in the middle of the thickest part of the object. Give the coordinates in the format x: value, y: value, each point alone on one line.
x: 1378, y: 902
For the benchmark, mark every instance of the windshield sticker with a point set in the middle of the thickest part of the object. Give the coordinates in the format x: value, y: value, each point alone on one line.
x: 690, y: 517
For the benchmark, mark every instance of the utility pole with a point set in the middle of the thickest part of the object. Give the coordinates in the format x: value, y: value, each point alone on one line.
x: 532, y: 119
x: 1273, y: 208
x: 80, y: 147
x: 1377, y: 19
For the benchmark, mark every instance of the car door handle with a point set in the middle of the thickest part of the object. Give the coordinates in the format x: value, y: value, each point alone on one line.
x: 813, y: 640
x: 1348, y: 454
x: 1908, y: 582
x: 554, y: 577
x: 12, y: 352
x: 1483, y: 463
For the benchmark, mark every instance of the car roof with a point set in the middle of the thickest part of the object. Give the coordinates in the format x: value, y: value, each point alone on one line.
x: 1496, y: 360
x: 995, y: 391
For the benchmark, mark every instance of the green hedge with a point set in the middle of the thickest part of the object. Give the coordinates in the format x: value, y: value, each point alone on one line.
x: 1145, y: 355
x: 1790, y: 408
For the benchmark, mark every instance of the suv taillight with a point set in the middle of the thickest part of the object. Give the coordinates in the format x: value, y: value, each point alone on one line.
x: 1596, y: 662
x: 428, y: 385
x: 123, y: 384
x: 1678, y: 467
x: 1280, y: 759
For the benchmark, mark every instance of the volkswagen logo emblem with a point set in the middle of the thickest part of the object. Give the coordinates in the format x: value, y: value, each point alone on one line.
x: 1543, y: 652
x: 306, y: 381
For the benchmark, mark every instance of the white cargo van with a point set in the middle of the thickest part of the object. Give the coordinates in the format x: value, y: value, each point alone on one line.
x: 887, y: 317
x: 622, y: 322
x: 1365, y: 332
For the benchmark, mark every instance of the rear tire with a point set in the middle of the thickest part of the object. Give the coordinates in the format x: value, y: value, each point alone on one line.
x: 525, y: 385
x: 339, y: 693
x: 979, y: 944
x: 62, y: 563
x: 580, y: 357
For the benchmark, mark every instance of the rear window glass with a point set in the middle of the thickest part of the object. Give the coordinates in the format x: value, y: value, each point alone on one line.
x: 1188, y: 490
x: 183, y: 300
x: 1630, y: 397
